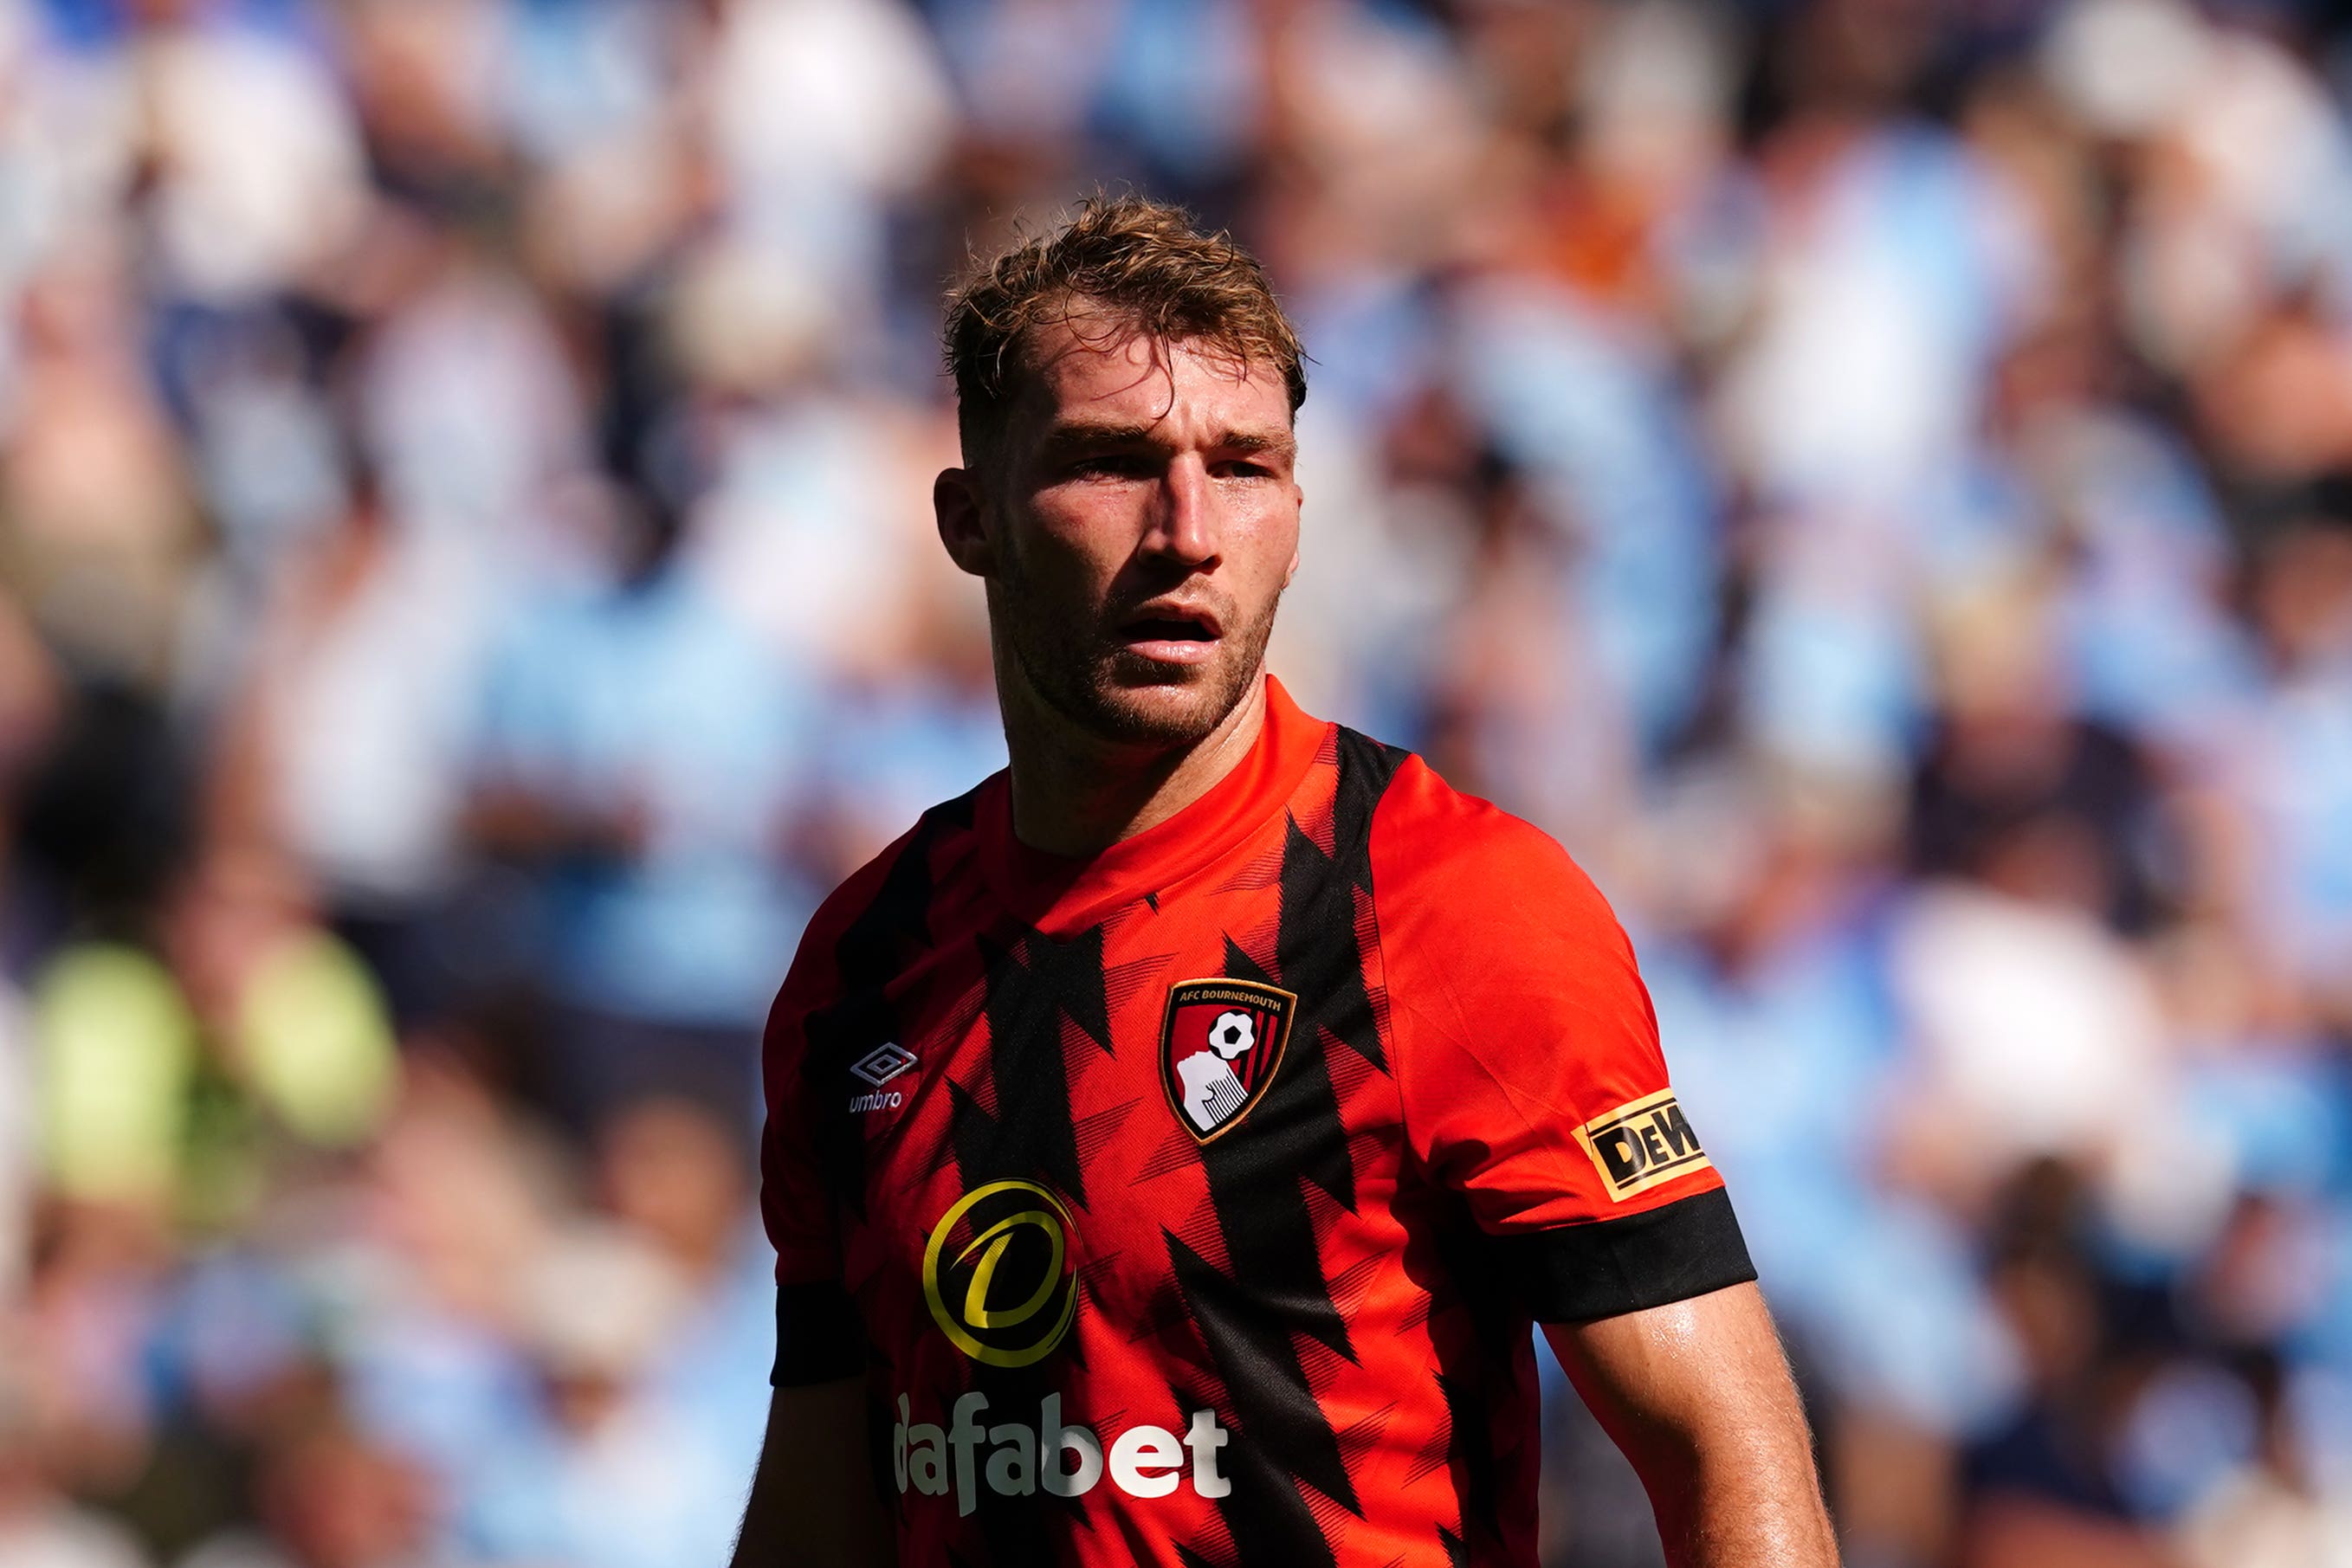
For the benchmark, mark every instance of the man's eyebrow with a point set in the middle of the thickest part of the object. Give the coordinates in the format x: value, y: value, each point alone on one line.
x: 1081, y: 433
x: 1280, y: 444
x: 1101, y: 433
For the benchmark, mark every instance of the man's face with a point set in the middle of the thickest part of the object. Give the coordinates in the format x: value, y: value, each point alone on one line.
x: 1137, y: 532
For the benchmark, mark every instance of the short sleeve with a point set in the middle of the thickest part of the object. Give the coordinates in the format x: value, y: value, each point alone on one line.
x: 819, y: 1338
x: 1529, y: 1067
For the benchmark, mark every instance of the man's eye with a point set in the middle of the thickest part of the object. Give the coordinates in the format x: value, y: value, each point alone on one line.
x: 1244, y: 471
x: 1113, y: 465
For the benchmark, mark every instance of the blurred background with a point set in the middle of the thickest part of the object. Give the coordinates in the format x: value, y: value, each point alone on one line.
x: 1874, y: 477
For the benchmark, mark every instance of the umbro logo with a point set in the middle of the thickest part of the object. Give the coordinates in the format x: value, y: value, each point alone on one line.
x: 879, y: 1066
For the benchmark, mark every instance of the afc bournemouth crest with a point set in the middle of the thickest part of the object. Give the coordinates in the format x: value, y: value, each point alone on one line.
x: 1220, y: 1047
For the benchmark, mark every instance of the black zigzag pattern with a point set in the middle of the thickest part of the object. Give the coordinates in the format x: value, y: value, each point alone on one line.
x: 887, y: 936
x: 1275, y: 1289
x: 1467, y: 1376
x: 1035, y: 985
x: 1317, y: 948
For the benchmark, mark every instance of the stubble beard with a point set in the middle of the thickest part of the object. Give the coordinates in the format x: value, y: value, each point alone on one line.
x: 1109, y: 691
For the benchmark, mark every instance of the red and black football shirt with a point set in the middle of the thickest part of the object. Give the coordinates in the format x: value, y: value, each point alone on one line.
x: 1191, y: 1203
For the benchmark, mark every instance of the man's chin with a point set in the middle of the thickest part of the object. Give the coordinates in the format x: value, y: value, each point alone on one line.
x: 1157, y: 716
x: 1155, y: 702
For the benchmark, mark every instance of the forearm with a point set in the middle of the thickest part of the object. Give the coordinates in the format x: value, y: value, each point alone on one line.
x: 1740, y: 1498
x: 1698, y: 1396
x: 813, y: 1502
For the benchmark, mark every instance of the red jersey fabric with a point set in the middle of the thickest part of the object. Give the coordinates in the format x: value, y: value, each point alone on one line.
x: 1191, y: 1203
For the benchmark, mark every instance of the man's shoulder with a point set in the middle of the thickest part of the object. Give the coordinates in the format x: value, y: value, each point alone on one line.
x: 905, y: 874
x: 1431, y: 838
x: 1490, y: 931
x: 1452, y: 872
x: 884, y: 906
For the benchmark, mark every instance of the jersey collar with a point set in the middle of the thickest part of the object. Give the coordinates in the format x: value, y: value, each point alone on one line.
x: 1064, y: 891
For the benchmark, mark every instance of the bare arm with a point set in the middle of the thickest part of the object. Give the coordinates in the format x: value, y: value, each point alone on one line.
x: 813, y: 1502
x: 1698, y: 1396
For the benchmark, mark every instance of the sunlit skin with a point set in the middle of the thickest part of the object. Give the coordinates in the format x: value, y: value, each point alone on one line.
x: 1697, y: 1396
x: 1135, y: 533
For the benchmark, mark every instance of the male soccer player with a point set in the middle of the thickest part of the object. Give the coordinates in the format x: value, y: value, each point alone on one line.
x: 1171, y: 1142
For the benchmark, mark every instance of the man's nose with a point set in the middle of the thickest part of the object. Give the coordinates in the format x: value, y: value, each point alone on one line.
x: 1187, y: 527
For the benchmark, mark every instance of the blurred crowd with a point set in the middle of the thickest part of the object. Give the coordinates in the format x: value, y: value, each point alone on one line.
x: 1874, y: 477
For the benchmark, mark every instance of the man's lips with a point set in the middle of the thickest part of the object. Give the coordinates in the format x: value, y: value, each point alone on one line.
x: 1172, y: 633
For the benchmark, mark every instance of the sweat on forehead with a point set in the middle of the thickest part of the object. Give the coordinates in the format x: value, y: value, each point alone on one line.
x: 1091, y: 351
x: 1051, y: 357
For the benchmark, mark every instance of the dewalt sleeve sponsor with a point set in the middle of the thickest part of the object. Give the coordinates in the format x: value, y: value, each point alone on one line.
x: 1637, y: 1147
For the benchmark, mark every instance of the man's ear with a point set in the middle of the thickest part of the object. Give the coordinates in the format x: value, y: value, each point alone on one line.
x: 1299, y: 501
x: 956, y: 505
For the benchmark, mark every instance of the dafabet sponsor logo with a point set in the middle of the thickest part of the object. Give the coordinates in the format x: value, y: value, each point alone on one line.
x: 1060, y: 1460
x: 1001, y: 1285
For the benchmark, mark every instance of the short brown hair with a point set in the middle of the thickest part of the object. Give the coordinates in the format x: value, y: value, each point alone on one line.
x: 1141, y: 261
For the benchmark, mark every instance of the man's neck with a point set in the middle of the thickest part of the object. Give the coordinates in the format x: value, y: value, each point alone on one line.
x: 1073, y: 794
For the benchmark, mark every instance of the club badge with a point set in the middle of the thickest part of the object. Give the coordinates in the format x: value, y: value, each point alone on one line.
x: 1219, y: 1048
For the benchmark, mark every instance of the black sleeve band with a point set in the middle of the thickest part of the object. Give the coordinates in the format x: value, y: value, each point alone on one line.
x: 819, y: 1338
x: 1605, y: 1267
